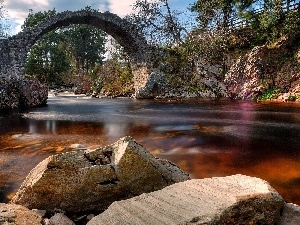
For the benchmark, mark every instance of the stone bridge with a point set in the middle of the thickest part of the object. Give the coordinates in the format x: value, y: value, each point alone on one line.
x: 14, y: 50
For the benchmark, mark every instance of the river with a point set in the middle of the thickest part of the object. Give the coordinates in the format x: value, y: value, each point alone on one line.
x: 205, y: 138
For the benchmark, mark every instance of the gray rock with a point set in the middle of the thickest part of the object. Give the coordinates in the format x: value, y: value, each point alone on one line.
x: 22, y: 92
x: 291, y: 215
x: 60, y: 219
x: 243, y: 79
x: 92, y: 179
x: 234, y: 199
x: 155, y: 86
x: 11, y: 214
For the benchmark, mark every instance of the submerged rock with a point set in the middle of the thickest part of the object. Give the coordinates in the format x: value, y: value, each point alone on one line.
x: 11, y: 214
x: 85, y: 180
x: 234, y: 199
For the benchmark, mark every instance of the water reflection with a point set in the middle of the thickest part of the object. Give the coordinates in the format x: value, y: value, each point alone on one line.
x: 204, y: 138
x: 51, y: 126
x: 116, y: 130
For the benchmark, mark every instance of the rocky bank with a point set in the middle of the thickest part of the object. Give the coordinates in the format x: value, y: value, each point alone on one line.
x: 22, y: 93
x: 124, y: 184
x: 270, y: 70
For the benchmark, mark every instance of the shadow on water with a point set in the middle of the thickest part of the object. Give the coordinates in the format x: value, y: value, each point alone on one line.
x: 205, y: 138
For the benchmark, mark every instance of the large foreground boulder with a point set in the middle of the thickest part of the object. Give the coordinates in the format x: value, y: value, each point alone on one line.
x: 85, y: 180
x: 234, y: 199
x: 11, y: 214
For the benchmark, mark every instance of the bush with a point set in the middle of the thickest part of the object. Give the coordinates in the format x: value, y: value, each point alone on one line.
x: 271, y: 93
x: 292, y: 98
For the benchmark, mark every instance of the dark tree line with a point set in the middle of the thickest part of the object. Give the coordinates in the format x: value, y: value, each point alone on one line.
x: 269, y: 19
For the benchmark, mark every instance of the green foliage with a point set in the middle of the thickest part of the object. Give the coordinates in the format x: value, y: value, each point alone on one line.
x: 86, y: 46
x: 270, y: 93
x: 34, y: 18
x: 268, y: 23
x: 292, y: 98
x: 115, y: 77
x: 66, y: 55
x: 159, y: 24
x: 291, y: 24
x: 215, y: 13
x: 273, y: 21
x: 48, y: 60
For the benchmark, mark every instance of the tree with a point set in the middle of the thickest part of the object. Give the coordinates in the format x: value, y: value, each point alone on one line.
x: 87, y: 46
x: 270, y: 19
x: 4, y: 25
x: 215, y: 14
x: 47, y: 59
x: 159, y: 24
x: 72, y: 51
x: 114, y: 77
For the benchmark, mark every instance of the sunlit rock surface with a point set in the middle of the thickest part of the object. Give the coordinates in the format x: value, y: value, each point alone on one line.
x: 11, y: 214
x: 85, y: 180
x: 234, y: 199
x: 243, y: 79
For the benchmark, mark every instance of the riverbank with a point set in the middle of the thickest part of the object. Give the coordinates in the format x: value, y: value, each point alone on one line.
x: 179, y: 97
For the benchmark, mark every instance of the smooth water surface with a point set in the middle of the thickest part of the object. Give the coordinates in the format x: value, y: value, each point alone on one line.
x: 205, y: 138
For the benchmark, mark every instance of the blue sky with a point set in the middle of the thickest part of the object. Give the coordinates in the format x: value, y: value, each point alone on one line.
x: 17, y: 10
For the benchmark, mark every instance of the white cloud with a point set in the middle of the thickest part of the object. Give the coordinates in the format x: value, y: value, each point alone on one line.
x: 121, y: 8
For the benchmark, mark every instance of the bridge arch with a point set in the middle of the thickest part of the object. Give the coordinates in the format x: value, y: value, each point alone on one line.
x: 14, y: 50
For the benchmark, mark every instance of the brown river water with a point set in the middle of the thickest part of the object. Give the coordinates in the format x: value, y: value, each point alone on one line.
x: 205, y: 138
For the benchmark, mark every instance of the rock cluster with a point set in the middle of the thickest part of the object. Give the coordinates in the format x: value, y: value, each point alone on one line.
x: 22, y: 93
x: 261, y: 70
x: 107, y: 179
x: 85, y: 180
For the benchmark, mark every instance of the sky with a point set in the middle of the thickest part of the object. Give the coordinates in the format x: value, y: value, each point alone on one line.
x: 17, y: 10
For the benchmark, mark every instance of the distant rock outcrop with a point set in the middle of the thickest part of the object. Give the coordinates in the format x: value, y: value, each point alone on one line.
x: 243, y: 80
x: 235, y: 199
x: 85, y: 180
x: 267, y: 69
